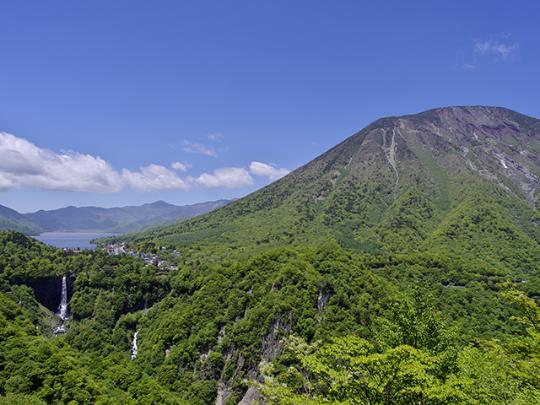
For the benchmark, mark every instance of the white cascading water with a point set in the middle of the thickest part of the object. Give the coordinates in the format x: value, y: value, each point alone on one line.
x: 63, y: 307
x: 134, y: 348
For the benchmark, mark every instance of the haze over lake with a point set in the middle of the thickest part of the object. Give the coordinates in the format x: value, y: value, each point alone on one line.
x: 72, y: 240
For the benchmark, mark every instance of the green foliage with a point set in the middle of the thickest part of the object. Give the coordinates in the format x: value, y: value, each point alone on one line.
x: 351, y: 370
x: 411, y: 316
x: 35, y: 368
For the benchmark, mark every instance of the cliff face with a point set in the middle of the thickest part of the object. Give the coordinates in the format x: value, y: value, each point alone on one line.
x: 48, y: 290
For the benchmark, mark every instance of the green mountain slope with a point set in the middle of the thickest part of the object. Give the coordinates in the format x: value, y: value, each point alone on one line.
x: 12, y: 220
x: 389, y: 187
x: 37, y: 367
x: 445, y: 201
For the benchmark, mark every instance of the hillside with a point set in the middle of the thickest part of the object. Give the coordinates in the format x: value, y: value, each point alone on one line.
x: 292, y: 325
x: 38, y: 367
x: 401, y: 184
x: 12, y: 220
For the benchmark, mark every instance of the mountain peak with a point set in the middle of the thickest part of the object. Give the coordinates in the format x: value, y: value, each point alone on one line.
x: 474, y: 114
x: 160, y: 203
x: 426, y: 164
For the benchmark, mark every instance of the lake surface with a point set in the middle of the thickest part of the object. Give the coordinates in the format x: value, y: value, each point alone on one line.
x: 72, y: 240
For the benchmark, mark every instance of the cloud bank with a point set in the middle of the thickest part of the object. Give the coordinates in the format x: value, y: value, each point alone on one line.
x: 216, y: 136
x: 23, y: 164
x: 152, y: 178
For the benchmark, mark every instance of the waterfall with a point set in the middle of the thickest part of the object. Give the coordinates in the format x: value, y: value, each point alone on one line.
x: 134, y: 348
x: 63, y: 307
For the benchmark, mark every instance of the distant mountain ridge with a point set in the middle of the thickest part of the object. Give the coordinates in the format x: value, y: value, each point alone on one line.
x: 117, y: 219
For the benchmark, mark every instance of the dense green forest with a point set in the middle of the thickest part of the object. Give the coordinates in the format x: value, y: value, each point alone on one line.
x: 323, y: 324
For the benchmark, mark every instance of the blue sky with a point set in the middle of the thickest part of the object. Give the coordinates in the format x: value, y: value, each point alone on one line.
x: 100, y: 98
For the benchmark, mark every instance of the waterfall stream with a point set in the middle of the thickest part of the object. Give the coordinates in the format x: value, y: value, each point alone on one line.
x: 62, y: 308
x: 134, y: 347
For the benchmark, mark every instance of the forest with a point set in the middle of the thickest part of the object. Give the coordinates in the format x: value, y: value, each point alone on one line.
x: 317, y: 324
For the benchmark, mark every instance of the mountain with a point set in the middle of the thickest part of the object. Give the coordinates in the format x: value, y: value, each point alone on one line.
x: 121, y: 219
x: 449, y: 177
x: 12, y: 220
x: 413, y: 223
x: 409, y: 255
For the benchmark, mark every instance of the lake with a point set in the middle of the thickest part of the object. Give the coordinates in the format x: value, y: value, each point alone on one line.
x: 71, y: 240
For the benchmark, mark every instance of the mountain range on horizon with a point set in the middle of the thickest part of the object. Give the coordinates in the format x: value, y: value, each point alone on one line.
x: 116, y: 219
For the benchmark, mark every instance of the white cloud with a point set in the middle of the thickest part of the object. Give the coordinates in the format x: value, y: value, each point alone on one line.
x: 153, y: 177
x: 468, y: 66
x: 199, y: 148
x: 230, y: 177
x: 23, y: 164
x: 181, y: 166
x: 497, y: 49
x: 267, y: 170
